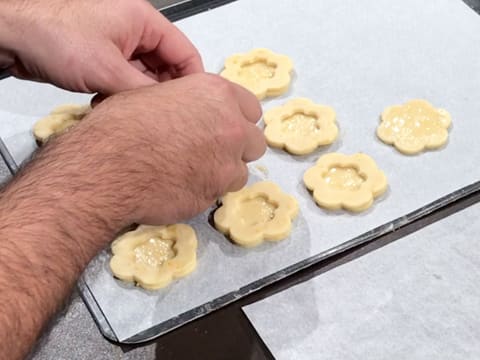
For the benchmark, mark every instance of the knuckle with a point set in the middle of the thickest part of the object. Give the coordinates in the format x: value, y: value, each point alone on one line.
x: 215, y: 84
x: 229, y: 171
x: 236, y: 132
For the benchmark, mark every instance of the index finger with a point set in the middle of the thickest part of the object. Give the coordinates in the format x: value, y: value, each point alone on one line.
x: 171, y: 46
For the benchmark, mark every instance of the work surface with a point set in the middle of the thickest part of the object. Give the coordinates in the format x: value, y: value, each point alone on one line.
x: 417, y: 298
x: 76, y: 312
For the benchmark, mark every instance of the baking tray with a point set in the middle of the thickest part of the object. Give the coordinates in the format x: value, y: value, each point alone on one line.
x: 7, y: 158
x: 6, y: 169
x: 190, y: 8
x: 416, y: 298
x: 441, y: 65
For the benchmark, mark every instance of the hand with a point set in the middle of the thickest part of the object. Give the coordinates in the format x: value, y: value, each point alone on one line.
x: 186, y: 146
x: 103, y: 46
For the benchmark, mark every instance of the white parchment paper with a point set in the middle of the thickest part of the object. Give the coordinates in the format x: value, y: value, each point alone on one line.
x: 357, y: 56
x: 417, y: 298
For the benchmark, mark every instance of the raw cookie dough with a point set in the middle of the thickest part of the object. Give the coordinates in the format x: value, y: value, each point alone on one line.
x: 59, y: 120
x: 152, y: 256
x: 261, y: 71
x: 414, y: 126
x: 256, y: 213
x: 345, y: 181
x: 300, y: 126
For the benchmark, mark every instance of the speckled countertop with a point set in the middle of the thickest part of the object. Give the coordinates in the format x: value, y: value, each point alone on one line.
x: 74, y: 335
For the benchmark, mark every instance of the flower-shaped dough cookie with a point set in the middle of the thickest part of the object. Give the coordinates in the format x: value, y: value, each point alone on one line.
x: 59, y: 120
x: 152, y: 256
x: 345, y: 181
x: 414, y: 126
x: 261, y: 71
x: 256, y: 213
x: 300, y: 126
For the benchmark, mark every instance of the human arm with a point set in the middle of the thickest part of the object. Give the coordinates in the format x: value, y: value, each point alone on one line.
x: 103, y: 46
x: 187, y: 146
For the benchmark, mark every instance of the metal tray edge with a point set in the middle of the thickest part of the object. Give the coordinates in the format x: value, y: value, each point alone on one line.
x: 369, y: 236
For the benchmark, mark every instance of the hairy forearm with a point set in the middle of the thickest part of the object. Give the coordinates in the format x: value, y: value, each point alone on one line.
x: 54, y: 217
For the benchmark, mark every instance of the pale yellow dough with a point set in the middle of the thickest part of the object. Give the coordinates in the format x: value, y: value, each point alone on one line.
x: 345, y: 181
x: 261, y: 71
x: 256, y: 213
x: 300, y: 126
x: 414, y: 126
x: 59, y: 120
x: 152, y: 256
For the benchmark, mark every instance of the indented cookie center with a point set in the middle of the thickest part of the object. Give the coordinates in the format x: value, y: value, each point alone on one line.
x: 154, y: 252
x: 258, y: 210
x: 300, y: 124
x: 257, y: 70
x: 416, y: 123
x: 343, y: 178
